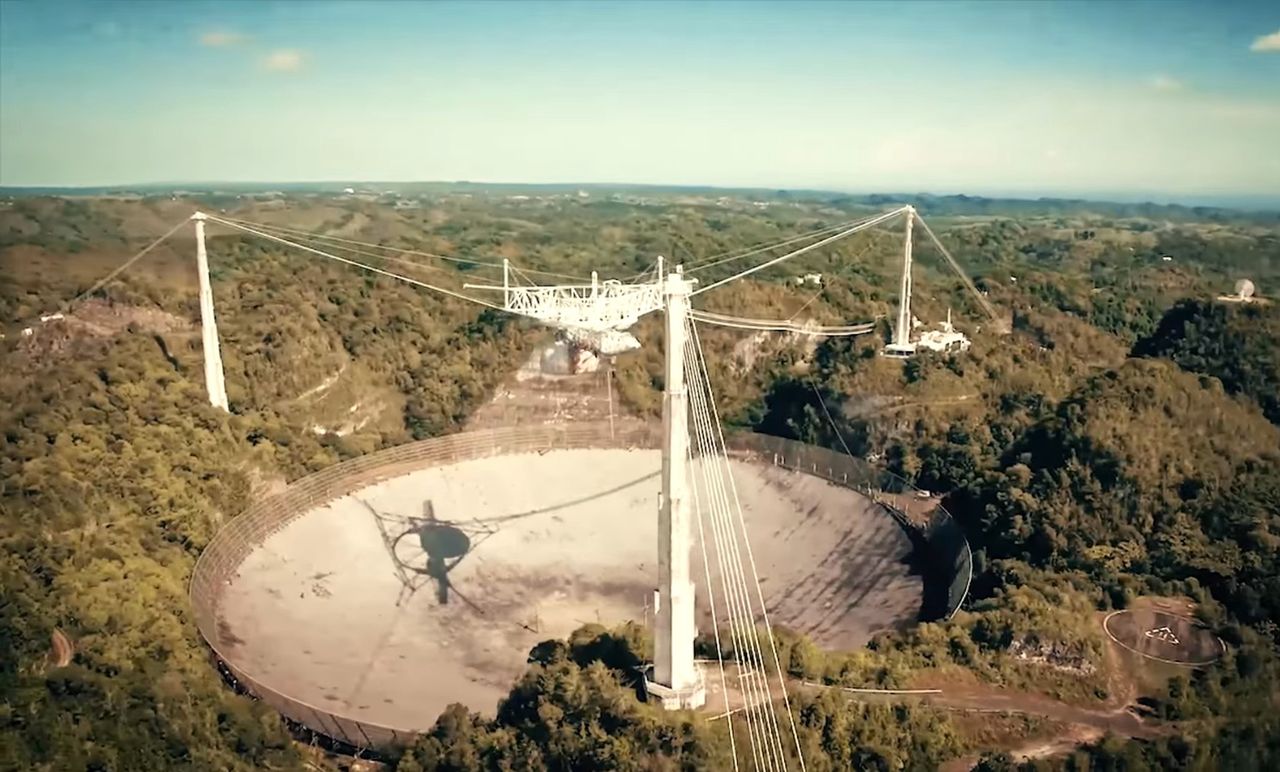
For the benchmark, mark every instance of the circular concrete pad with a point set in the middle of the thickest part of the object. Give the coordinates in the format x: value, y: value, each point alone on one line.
x: 1164, y: 637
x: 548, y: 542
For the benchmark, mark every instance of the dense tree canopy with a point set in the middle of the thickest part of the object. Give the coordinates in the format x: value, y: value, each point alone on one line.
x: 1084, y: 477
x: 1236, y: 343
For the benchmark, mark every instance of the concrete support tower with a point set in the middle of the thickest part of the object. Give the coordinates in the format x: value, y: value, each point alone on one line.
x: 214, y: 382
x: 901, y: 345
x: 677, y: 682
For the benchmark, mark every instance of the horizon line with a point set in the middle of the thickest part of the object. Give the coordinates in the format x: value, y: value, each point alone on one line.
x: 1015, y: 194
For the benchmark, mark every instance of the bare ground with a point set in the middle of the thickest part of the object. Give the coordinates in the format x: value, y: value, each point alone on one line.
x: 1129, y: 676
x: 1064, y: 740
x: 87, y: 328
x: 533, y: 397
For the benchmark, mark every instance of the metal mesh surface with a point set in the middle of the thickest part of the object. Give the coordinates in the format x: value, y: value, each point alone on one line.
x: 936, y: 532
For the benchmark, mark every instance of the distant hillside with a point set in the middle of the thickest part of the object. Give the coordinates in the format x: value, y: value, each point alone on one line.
x: 1236, y: 343
x: 1084, y: 478
x: 958, y: 205
x: 1142, y: 470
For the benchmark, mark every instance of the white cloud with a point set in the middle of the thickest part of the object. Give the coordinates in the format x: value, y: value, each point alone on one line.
x: 1267, y: 43
x: 1165, y: 83
x: 221, y: 38
x: 283, y: 60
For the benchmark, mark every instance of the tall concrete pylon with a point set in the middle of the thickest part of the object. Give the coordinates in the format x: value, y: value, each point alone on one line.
x: 214, y: 382
x: 902, y: 345
x: 677, y: 682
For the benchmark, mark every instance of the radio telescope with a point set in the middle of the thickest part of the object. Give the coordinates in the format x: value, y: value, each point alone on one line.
x: 1244, y: 290
x: 1244, y: 293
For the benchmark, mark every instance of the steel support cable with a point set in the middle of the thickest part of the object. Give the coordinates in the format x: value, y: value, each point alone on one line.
x: 753, y: 654
x: 760, y: 708
x: 357, y: 264
x: 765, y: 618
x: 66, y: 306
x: 751, y: 657
x: 878, y: 219
x: 701, y: 264
x: 787, y: 325
x: 713, y: 316
x: 764, y: 708
x: 755, y: 574
x: 777, y: 325
x: 314, y: 242
x: 731, y: 598
x: 955, y: 266
x: 746, y: 618
x: 821, y: 289
x: 806, y: 304
x: 754, y: 731
x: 436, y: 256
x: 832, y: 421
x: 715, y: 625
x: 735, y: 594
x: 520, y: 275
x: 635, y: 278
x: 794, y: 329
x: 770, y: 248
x: 326, y: 237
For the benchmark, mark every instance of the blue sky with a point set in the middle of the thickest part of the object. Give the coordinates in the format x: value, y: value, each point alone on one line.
x: 1176, y: 99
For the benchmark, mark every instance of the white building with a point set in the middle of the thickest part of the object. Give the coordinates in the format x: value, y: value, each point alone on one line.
x: 945, y: 339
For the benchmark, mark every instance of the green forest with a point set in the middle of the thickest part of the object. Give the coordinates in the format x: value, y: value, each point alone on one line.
x: 1123, y: 442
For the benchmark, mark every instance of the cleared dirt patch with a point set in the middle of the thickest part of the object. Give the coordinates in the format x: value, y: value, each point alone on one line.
x: 88, y: 327
x: 1164, y: 636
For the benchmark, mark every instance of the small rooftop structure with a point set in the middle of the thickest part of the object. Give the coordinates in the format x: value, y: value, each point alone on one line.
x: 947, y: 338
x: 812, y: 279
